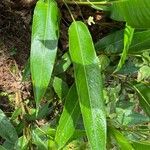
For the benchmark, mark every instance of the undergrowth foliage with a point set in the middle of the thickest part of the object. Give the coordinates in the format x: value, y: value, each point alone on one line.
x: 107, y: 103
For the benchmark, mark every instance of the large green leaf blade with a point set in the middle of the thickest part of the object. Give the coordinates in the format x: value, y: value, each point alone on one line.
x: 135, y: 12
x: 7, y: 131
x: 43, y: 46
x: 68, y: 119
x: 89, y: 84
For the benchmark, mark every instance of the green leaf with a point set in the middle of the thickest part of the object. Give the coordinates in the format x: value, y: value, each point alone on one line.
x: 8, y: 145
x: 143, y: 91
x: 43, y: 46
x: 26, y: 71
x: 89, y: 84
x: 104, y: 61
x: 135, y: 12
x: 52, y: 145
x: 113, y: 43
x: 7, y: 131
x: 78, y: 134
x: 143, y: 145
x: 60, y: 87
x: 2, y: 148
x: 68, y: 119
x: 126, y: 117
x: 63, y: 64
x: 22, y: 143
x: 121, y: 140
x: 40, y: 141
x: 129, y: 67
x: 16, y: 113
x: 128, y: 35
x: 144, y: 73
x: 43, y: 111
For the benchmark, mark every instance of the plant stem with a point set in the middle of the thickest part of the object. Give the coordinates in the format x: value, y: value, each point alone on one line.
x: 66, y: 4
x: 87, y: 3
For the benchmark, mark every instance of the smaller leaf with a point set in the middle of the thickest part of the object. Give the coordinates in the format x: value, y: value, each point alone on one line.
x: 122, y: 141
x: 60, y: 87
x: 2, y: 148
x: 7, y: 131
x: 68, y: 119
x: 52, y: 145
x: 16, y: 113
x: 143, y: 145
x: 22, y: 143
x: 41, y: 143
x: 104, y: 61
x: 144, y: 73
x: 113, y: 43
x: 143, y: 91
x: 128, y: 35
x: 62, y: 64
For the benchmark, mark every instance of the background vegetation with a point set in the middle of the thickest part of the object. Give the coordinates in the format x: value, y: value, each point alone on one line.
x: 89, y: 64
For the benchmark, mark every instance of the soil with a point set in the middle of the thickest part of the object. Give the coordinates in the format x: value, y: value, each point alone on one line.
x: 15, y: 33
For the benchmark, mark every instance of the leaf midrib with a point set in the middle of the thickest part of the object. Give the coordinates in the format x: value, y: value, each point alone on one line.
x: 48, y: 6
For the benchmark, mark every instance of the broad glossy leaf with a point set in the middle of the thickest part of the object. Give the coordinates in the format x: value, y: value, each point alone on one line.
x: 135, y: 12
x: 128, y: 35
x: 89, y: 84
x: 7, y: 131
x: 113, y: 43
x: 121, y: 140
x: 43, y: 45
x: 68, y: 119
x: 144, y: 93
